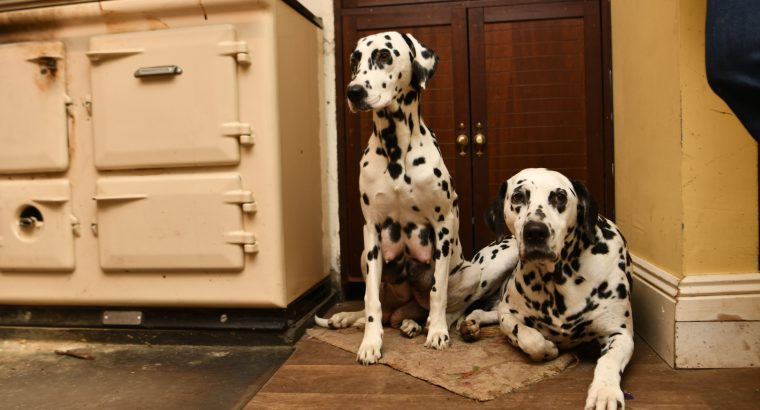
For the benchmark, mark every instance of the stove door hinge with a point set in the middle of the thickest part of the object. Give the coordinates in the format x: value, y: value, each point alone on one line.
x: 243, y: 198
x: 239, y: 49
x: 240, y: 130
x: 246, y: 239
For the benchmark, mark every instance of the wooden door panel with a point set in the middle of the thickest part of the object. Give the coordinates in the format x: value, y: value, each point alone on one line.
x: 525, y: 79
x: 439, y: 109
x: 533, y: 97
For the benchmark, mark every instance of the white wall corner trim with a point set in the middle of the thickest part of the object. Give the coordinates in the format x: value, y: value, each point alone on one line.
x: 655, y: 276
x: 700, y: 321
x: 654, y: 304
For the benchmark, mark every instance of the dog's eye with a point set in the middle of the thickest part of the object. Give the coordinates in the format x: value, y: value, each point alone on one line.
x: 518, y: 198
x: 561, y: 198
x: 384, y: 57
x: 558, y: 198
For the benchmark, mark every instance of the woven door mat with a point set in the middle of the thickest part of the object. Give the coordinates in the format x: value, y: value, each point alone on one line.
x: 483, y: 370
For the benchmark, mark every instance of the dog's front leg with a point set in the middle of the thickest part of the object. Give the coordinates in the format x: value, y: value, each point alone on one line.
x: 604, y: 392
x: 370, y: 350
x: 528, y: 339
x: 438, y: 327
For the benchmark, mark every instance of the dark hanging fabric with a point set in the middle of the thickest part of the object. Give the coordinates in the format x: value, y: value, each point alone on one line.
x: 732, y: 57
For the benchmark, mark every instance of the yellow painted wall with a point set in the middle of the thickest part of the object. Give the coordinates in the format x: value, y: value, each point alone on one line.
x: 719, y: 165
x: 647, y: 122
x: 685, y: 168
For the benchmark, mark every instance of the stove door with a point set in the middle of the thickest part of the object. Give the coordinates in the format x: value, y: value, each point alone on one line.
x: 173, y: 222
x: 167, y: 98
x: 36, y: 226
x: 33, y: 120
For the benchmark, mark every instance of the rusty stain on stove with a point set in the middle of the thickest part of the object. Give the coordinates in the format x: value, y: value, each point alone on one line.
x: 38, y: 24
x: 203, y: 9
x: 72, y: 134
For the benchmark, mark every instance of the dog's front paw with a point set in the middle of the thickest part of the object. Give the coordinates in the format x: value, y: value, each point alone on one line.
x: 542, y: 350
x: 604, y: 397
x: 410, y: 328
x: 437, y: 339
x: 369, y: 352
x: 470, y: 330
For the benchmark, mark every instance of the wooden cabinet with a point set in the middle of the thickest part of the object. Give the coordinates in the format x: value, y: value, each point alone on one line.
x: 526, y: 81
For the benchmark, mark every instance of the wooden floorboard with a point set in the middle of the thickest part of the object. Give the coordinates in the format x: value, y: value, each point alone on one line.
x: 320, y: 376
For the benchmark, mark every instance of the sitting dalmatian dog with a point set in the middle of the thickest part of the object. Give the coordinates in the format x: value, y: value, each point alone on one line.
x: 572, y: 282
x: 407, y: 195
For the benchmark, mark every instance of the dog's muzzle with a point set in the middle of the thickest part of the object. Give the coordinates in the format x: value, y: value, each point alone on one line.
x: 357, y: 96
x: 536, y: 242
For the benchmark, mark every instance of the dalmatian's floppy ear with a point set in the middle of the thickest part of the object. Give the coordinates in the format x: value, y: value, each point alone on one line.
x: 495, y: 214
x: 587, y: 212
x: 424, y: 61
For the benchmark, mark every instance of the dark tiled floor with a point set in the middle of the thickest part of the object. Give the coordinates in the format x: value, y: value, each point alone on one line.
x: 33, y: 376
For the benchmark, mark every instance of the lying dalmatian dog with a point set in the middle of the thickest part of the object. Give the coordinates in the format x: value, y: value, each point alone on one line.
x: 407, y: 195
x: 572, y: 282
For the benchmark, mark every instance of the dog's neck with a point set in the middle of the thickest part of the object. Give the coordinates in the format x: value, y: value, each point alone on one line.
x: 563, y: 270
x: 399, y: 124
x: 542, y: 268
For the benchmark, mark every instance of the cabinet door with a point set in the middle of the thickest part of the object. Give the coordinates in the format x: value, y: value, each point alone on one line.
x: 33, y: 121
x: 444, y: 106
x: 172, y: 222
x: 537, y: 93
x: 166, y: 98
x: 36, y: 232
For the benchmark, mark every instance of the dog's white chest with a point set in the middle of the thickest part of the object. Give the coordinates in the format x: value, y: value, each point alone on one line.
x: 420, y: 179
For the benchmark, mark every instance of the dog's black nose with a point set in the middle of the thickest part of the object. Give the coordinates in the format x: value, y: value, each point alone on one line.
x: 535, y: 233
x: 356, y: 93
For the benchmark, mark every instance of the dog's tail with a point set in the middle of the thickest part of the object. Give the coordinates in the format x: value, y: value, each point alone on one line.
x: 341, y: 320
x: 321, y: 322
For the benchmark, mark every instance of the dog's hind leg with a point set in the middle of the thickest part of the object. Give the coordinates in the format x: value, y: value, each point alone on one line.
x: 410, y: 328
x: 464, y: 282
x: 407, y: 318
x: 473, y: 282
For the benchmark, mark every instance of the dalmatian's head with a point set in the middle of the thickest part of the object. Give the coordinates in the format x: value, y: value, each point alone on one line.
x: 383, y: 68
x: 542, y: 209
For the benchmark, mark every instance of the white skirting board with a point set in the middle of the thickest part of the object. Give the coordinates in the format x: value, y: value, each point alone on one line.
x: 705, y: 321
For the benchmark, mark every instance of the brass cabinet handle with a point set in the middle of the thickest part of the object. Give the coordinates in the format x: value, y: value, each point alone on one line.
x: 479, y: 140
x: 463, y: 141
